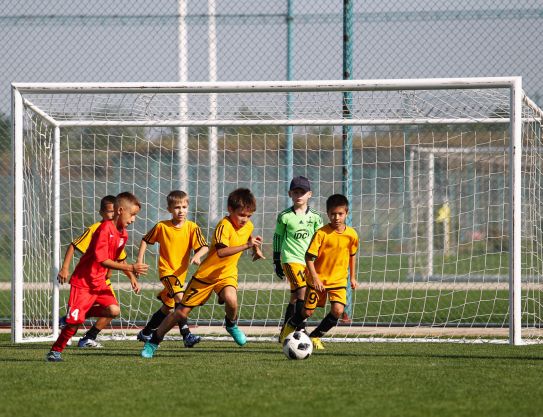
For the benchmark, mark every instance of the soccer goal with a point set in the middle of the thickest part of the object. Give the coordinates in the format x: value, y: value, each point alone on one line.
x: 444, y: 177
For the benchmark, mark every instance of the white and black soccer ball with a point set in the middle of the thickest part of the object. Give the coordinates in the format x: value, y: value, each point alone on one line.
x: 297, y: 345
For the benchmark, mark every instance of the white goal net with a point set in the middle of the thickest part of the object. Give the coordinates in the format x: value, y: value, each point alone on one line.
x: 443, y: 176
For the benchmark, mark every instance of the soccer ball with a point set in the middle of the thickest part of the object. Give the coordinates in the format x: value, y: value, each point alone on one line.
x: 297, y: 345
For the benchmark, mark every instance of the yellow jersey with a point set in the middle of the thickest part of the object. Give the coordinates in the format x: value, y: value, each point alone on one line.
x: 332, y: 251
x: 214, y: 268
x: 175, y: 244
x: 82, y: 242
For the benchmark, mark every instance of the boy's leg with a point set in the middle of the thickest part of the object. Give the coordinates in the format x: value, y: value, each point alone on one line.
x: 229, y: 294
x: 106, y: 309
x: 167, y: 324
x: 156, y: 319
x: 326, y: 324
x: 303, y: 311
x: 67, y: 332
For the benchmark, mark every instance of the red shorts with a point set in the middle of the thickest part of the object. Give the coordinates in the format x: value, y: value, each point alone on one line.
x: 82, y: 299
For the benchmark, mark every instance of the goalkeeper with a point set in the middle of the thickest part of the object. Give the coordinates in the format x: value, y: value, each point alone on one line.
x: 294, y: 230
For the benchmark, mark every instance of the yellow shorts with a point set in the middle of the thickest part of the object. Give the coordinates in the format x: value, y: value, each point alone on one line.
x: 172, y: 286
x: 296, y: 274
x: 198, y: 292
x: 314, y: 298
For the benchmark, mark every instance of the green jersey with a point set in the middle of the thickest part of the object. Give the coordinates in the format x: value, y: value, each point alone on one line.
x: 293, y: 234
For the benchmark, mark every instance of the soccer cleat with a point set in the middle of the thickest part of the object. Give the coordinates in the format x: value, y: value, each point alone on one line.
x: 237, y: 335
x: 317, y: 344
x: 85, y: 342
x: 190, y: 340
x: 285, y: 331
x: 53, y: 356
x: 143, y: 337
x: 148, y: 350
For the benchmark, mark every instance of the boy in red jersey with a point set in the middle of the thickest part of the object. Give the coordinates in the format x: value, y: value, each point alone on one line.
x: 90, y: 296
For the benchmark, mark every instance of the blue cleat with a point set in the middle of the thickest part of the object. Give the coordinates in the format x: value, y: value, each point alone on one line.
x: 148, y: 350
x: 53, y: 356
x: 191, y: 340
x: 85, y: 342
x: 237, y: 335
x: 143, y: 337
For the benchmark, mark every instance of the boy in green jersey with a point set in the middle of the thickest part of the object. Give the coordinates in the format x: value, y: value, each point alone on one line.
x: 293, y: 232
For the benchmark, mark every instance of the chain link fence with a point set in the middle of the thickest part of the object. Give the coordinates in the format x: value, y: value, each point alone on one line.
x: 226, y: 40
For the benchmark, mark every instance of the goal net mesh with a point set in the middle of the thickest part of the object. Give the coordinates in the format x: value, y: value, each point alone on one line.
x: 429, y: 190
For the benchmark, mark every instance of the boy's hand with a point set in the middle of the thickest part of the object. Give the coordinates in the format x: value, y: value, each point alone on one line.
x: 254, y: 241
x: 317, y: 284
x: 257, y: 253
x: 195, y: 260
x: 279, y: 269
x: 140, y: 268
x: 354, y: 284
x: 136, y: 286
x: 63, y: 276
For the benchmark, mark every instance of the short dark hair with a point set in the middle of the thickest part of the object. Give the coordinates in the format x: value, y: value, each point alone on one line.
x: 126, y: 198
x: 242, y: 198
x: 108, y: 199
x: 337, y: 200
x: 175, y: 196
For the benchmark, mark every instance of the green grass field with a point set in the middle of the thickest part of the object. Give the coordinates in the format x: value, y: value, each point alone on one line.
x: 220, y: 379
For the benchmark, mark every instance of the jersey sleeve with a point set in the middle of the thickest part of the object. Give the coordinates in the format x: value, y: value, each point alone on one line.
x: 222, y: 235
x: 354, y: 244
x: 152, y: 234
x: 316, y: 241
x: 198, y: 239
x: 278, y: 236
x: 82, y: 242
x: 318, y: 223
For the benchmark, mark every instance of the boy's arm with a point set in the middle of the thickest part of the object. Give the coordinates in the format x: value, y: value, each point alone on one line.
x: 352, y: 271
x: 136, y: 286
x: 141, y: 252
x: 197, y: 257
x: 135, y: 268
x: 310, y: 263
x: 224, y: 251
x: 65, y: 270
x: 277, y: 243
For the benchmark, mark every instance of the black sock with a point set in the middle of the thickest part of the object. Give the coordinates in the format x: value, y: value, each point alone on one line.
x: 183, y: 328
x: 296, y: 320
x: 289, y: 312
x: 326, y: 324
x: 228, y: 322
x: 154, y: 338
x: 154, y: 322
x: 299, y: 309
x: 92, y: 333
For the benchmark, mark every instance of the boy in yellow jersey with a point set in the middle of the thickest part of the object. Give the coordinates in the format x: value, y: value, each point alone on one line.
x: 294, y: 230
x: 329, y: 258
x: 219, y: 271
x: 176, y: 238
x: 81, y: 244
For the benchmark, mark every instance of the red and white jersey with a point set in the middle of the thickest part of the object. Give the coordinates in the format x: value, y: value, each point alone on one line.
x: 107, y: 243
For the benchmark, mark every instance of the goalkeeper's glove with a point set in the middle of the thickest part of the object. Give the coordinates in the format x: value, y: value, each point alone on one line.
x: 277, y: 263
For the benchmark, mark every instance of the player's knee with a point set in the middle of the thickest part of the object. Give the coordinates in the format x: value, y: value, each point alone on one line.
x: 307, y: 313
x: 337, y: 310
x: 114, y: 310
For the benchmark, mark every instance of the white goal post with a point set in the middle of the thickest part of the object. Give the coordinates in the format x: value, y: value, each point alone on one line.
x: 443, y: 176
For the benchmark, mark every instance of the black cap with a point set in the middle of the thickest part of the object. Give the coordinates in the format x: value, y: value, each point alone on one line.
x: 300, y: 182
